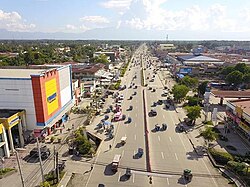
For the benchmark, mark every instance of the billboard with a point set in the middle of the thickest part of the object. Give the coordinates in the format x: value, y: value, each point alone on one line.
x: 51, y: 95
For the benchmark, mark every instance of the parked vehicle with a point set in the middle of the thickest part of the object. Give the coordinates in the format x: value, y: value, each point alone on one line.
x: 115, y: 163
x: 153, y: 90
x: 164, y: 127
x: 129, y: 119
x: 123, y: 117
x: 130, y: 107
x: 128, y: 172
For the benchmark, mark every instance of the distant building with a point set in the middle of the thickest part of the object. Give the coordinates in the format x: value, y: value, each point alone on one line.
x: 165, y: 47
x: 198, y: 60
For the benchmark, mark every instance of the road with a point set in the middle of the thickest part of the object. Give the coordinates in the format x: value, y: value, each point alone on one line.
x: 170, y: 152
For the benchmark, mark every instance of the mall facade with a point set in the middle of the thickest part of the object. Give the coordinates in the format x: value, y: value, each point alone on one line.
x: 34, y: 102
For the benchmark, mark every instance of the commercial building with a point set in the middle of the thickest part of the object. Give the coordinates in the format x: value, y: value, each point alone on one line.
x: 238, y: 113
x: 42, y: 95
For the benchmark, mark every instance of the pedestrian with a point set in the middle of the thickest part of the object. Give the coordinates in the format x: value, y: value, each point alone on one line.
x: 110, y: 146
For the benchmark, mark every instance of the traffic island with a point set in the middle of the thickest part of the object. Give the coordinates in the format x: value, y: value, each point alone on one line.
x: 146, y: 134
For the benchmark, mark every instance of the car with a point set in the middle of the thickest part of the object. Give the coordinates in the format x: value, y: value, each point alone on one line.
x: 152, y: 113
x: 164, y: 94
x: 135, y: 87
x: 130, y: 98
x: 44, y: 150
x: 134, y: 93
x: 123, y: 117
x: 154, y: 104
x: 140, y: 152
x: 154, y: 90
x: 121, y: 97
x: 130, y: 107
x: 129, y: 119
x: 160, y: 102
x: 150, y: 88
x: 106, y: 117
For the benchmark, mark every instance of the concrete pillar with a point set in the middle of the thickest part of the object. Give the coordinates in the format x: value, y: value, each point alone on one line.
x: 6, y: 146
x: 20, y: 131
x: 23, y: 121
x: 11, y: 141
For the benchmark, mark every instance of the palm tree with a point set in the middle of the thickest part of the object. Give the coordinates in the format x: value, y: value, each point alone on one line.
x: 209, y: 134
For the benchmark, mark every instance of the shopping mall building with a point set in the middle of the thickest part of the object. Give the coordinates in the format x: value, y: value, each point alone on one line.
x: 34, y: 101
x: 238, y: 113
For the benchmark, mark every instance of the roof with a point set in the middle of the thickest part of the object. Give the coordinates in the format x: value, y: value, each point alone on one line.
x: 199, y: 58
x: 6, y: 113
x: 92, y: 68
x: 20, y: 73
x: 242, y: 103
x: 231, y: 94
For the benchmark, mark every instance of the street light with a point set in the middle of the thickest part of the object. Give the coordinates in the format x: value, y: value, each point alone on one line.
x: 247, y: 165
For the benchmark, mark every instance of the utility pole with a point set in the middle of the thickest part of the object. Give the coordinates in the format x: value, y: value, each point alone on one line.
x: 19, y: 167
x: 40, y: 158
x: 57, y: 168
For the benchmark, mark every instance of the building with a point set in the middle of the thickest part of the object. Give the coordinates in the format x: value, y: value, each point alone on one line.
x: 165, y: 47
x: 238, y: 113
x: 43, y: 94
x: 193, y: 60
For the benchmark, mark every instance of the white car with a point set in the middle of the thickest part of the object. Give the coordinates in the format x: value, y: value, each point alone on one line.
x: 121, y: 97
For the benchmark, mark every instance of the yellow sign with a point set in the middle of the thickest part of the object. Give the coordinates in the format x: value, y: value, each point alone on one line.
x: 245, y: 127
x: 51, y: 96
x: 1, y: 128
x: 239, y: 111
x: 13, y: 120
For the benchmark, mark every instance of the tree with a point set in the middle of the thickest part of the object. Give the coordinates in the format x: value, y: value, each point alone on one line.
x: 209, y: 134
x: 242, y: 67
x: 190, y: 82
x: 202, y: 88
x: 246, y: 78
x: 102, y: 58
x: 192, y: 101
x: 227, y: 70
x: 193, y: 112
x: 235, y: 77
x: 179, y: 91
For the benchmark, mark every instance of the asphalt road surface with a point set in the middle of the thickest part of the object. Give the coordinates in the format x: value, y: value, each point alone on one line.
x: 170, y: 152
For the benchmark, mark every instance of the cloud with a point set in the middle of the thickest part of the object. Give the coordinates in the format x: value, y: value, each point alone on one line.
x: 94, y: 19
x: 117, y: 4
x: 13, y: 21
x: 118, y: 24
x: 193, y: 18
x: 83, y: 28
x: 71, y: 27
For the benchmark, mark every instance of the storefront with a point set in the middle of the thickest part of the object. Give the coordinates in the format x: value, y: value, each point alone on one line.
x: 12, y: 129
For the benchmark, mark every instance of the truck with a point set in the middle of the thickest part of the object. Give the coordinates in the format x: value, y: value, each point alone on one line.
x: 115, y: 163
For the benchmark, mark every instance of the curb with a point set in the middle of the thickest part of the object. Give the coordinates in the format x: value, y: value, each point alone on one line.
x: 146, y: 134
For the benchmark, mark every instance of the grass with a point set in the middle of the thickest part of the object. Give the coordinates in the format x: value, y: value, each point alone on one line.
x: 3, y: 171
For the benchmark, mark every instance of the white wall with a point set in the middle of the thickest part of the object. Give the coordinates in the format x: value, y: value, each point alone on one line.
x: 18, y: 94
x: 65, y: 85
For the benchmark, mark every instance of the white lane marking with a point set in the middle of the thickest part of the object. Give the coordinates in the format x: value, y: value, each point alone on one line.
x: 119, y: 176
x: 122, y: 153
x: 167, y: 181
x: 135, y: 136
x: 133, y: 177
x: 136, y: 114
x: 176, y: 156
x: 150, y: 173
x: 135, y: 124
x: 209, y: 172
x: 159, y: 138
x: 170, y: 139
x: 163, y: 116
x: 162, y: 155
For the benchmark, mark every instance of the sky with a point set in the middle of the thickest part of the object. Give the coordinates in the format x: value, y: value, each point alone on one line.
x: 130, y: 19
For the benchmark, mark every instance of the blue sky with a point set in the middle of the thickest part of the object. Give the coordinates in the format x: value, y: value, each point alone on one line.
x: 180, y: 19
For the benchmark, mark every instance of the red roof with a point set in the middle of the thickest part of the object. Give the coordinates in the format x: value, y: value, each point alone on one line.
x: 231, y: 94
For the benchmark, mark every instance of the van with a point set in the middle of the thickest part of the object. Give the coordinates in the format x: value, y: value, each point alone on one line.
x: 115, y: 163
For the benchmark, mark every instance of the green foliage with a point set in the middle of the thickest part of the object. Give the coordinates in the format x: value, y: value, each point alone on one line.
x: 220, y: 157
x: 102, y: 58
x: 81, y: 142
x: 209, y: 134
x: 190, y: 82
x: 179, y: 91
x: 246, y: 78
x: 192, y: 101
x: 202, y: 88
x: 5, y: 170
x: 237, y: 167
x: 242, y: 67
x: 45, y: 184
x: 116, y: 86
x: 193, y: 112
x: 225, y: 71
x: 235, y: 77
